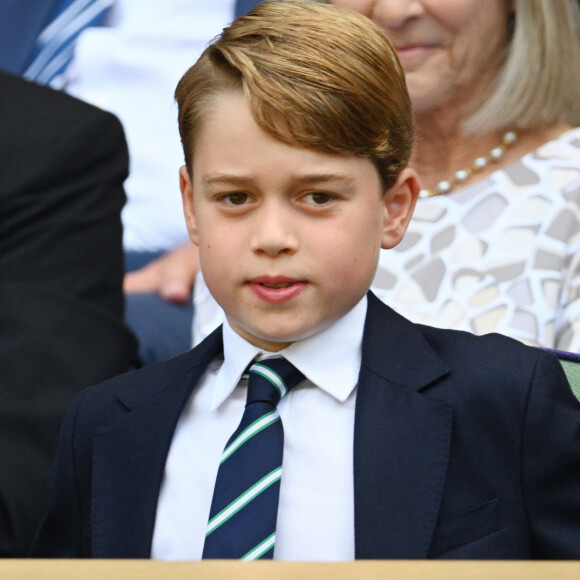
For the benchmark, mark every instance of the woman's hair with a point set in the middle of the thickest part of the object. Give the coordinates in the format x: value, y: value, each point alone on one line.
x: 540, y: 81
x: 314, y: 76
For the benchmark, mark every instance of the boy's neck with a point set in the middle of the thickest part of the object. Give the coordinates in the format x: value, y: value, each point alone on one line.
x: 337, y: 346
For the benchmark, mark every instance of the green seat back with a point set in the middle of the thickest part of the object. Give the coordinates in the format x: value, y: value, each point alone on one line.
x: 572, y: 370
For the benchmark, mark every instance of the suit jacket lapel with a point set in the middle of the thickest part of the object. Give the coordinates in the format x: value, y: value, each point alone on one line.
x: 402, y: 438
x: 136, y: 445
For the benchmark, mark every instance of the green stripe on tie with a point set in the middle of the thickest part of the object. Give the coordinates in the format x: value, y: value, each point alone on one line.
x: 253, y: 429
x: 260, y: 549
x: 243, y: 500
x: 271, y: 376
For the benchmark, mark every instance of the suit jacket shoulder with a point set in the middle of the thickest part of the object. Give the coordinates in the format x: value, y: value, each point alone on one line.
x: 52, y: 140
x: 62, y: 197
x: 455, y: 446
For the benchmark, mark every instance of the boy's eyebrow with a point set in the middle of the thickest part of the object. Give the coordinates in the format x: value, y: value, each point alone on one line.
x: 218, y: 178
x: 324, y: 177
x: 225, y: 178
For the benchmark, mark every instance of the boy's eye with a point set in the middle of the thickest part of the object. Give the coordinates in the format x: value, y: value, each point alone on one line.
x: 318, y: 198
x: 237, y: 198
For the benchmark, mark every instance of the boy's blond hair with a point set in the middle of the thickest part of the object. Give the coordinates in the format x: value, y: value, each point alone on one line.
x: 314, y: 76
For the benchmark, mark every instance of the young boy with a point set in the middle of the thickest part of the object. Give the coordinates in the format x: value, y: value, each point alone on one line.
x: 402, y: 441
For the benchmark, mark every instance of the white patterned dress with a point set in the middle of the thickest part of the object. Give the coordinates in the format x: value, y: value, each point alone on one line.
x: 502, y: 255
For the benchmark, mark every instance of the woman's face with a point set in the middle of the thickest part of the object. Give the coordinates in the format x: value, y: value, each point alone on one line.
x: 450, y: 49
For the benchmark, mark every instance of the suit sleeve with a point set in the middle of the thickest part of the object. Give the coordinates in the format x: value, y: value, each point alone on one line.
x: 551, y: 464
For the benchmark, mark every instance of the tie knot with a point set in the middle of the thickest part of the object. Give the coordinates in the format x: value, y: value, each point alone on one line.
x: 271, y: 379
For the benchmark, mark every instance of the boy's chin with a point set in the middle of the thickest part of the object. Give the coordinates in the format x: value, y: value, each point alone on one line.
x: 273, y: 342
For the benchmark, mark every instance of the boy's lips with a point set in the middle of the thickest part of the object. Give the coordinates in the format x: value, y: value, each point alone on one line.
x: 276, y: 288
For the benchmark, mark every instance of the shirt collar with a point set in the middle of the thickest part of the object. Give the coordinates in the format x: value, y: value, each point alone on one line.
x: 330, y: 359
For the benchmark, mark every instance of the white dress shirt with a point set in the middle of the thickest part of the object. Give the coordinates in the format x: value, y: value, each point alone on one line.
x: 316, y: 509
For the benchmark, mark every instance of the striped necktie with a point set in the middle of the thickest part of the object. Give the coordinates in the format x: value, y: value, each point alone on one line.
x: 55, y: 45
x: 244, y: 509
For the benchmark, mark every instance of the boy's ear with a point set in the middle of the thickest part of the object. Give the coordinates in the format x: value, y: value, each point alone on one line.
x: 399, y: 203
x: 187, y: 199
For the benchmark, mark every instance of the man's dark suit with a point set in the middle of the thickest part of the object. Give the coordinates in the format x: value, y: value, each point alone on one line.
x: 464, y: 447
x: 62, y: 166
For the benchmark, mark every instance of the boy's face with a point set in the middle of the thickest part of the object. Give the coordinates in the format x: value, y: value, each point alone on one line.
x: 289, y: 238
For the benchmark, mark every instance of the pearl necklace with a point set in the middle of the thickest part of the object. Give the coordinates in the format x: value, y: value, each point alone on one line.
x: 508, y: 139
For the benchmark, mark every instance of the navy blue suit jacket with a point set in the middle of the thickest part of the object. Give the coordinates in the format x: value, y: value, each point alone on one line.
x: 464, y: 447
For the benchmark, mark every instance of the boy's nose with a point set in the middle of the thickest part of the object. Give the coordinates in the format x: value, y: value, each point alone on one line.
x: 273, y: 233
